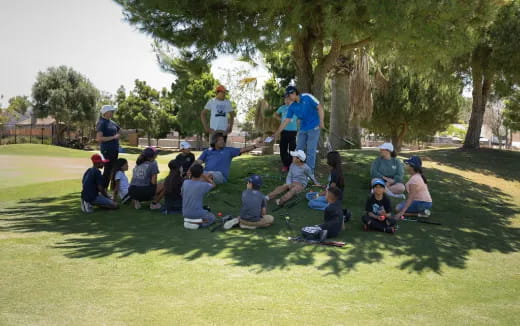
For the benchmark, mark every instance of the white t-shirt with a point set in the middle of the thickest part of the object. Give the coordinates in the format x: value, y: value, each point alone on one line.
x: 219, y: 111
x: 123, y: 183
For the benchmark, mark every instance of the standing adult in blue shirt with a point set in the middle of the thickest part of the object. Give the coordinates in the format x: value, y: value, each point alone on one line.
x: 218, y: 159
x: 310, y: 112
x: 288, y: 135
x: 107, y: 135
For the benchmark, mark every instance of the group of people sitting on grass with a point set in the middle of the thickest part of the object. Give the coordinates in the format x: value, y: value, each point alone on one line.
x: 188, y: 182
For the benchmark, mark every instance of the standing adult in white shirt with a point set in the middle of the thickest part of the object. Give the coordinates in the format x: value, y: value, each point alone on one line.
x: 222, y: 115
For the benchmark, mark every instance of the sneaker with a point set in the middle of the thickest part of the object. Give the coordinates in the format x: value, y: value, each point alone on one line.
x: 267, y: 198
x: 231, y: 223
x: 248, y: 227
x: 125, y: 200
x: 137, y: 204
x: 278, y: 202
x: 86, y: 207
x: 323, y: 235
x: 155, y: 206
x: 425, y: 213
x: 391, y: 194
x: 193, y: 220
x: 346, y: 215
x: 191, y: 226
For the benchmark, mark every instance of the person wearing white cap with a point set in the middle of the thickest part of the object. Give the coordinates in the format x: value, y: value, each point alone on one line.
x: 296, y: 180
x: 389, y: 168
x: 107, y: 135
x: 185, y: 158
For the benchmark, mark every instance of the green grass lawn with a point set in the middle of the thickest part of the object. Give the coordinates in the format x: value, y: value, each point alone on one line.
x: 59, y: 266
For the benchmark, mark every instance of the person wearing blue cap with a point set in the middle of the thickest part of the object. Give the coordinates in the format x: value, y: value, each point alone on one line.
x: 253, y: 213
x: 311, y: 115
x: 378, y: 209
x: 144, y: 185
x: 419, y: 200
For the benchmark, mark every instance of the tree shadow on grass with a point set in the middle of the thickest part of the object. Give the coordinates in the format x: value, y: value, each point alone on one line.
x: 474, y: 216
x: 500, y: 163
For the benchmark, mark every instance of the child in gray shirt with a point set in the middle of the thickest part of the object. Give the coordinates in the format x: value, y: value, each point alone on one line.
x: 296, y: 180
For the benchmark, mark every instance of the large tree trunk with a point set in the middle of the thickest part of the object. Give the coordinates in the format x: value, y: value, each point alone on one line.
x: 482, y: 81
x: 354, y: 131
x: 398, y: 137
x: 339, y: 109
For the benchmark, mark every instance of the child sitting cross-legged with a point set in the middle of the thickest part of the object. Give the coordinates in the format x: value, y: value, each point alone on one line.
x: 193, y: 191
x: 296, y: 180
x: 253, y: 213
x: 378, y: 210
x: 334, y: 220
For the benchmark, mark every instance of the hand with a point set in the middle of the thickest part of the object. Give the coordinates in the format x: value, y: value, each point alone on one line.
x: 210, y: 130
x: 322, y: 125
x: 116, y: 136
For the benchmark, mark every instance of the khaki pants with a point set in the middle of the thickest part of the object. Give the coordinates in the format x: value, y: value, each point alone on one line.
x: 292, y: 189
x: 265, y: 221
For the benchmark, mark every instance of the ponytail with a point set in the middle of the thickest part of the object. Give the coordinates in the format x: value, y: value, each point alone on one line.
x: 140, y: 159
x: 420, y: 171
x: 393, y: 154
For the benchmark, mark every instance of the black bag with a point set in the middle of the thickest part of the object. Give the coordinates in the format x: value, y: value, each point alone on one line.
x: 312, y: 232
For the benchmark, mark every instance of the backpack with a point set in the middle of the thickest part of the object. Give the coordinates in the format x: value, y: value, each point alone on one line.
x: 312, y: 232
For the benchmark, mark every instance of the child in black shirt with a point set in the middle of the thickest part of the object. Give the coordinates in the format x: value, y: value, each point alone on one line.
x: 333, y: 215
x: 378, y: 210
x: 185, y: 158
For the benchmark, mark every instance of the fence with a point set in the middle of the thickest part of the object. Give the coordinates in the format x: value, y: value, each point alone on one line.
x: 35, y: 134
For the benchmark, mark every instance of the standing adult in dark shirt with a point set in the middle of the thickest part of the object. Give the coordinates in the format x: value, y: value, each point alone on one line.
x: 107, y: 135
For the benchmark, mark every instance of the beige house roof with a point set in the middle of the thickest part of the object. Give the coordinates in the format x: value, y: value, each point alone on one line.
x: 39, y: 122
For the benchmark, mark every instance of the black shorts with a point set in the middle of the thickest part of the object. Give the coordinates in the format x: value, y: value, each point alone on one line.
x: 142, y: 193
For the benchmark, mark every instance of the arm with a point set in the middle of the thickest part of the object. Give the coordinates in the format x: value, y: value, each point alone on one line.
x: 374, y: 170
x: 321, y: 112
x: 208, y: 179
x: 409, y: 200
x: 310, y: 174
x: 282, y: 127
x: 100, y: 139
x: 116, y: 188
x: 248, y: 149
x: 154, y: 179
x: 204, y: 122
x: 400, y: 172
x: 102, y: 190
x: 231, y: 120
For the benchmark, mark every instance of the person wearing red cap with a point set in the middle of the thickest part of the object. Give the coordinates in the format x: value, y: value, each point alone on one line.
x: 94, y: 191
x: 222, y: 115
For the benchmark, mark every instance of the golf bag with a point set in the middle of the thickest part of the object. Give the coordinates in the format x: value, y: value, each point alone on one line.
x: 314, y: 232
x: 374, y: 224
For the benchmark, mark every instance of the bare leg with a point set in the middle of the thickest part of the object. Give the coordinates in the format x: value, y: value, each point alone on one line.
x: 159, y: 192
x: 278, y: 190
x: 294, y: 189
x: 397, y: 188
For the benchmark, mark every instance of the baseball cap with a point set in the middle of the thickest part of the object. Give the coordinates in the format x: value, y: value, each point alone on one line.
x: 255, y: 180
x: 290, y: 89
x: 185, y: 145
x: 414, y: 161
x: 299, y: 154
x: 98, y: 158
x: 220, y: 88
x: 378, y: 182
x: 387, y: 146
x: 107, y: 108
x: 149, y: 152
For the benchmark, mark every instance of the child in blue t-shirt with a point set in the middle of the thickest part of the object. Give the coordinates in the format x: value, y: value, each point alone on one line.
x: 94, y: 191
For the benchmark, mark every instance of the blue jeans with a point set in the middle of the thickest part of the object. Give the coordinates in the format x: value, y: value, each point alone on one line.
x: 319, y: 203
x: 416, y: 206
x: 307, y: 141
x: 102, y: 201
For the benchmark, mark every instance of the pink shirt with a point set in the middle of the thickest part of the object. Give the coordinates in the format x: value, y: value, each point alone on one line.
x: 421, y: 189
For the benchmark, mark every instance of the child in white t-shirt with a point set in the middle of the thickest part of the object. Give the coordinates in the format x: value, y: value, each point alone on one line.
x: 120, y: 181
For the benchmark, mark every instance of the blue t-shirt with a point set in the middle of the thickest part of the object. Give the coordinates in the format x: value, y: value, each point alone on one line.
x: 91, y: 179
x: 219, y: 160
x: 293, y: 125
x: 109, y: 128
x: 193, y: 198
x: 306, y: 110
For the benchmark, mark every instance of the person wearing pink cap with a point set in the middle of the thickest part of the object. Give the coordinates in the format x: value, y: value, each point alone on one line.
x: 222, y: 115
x: 94, y: 191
